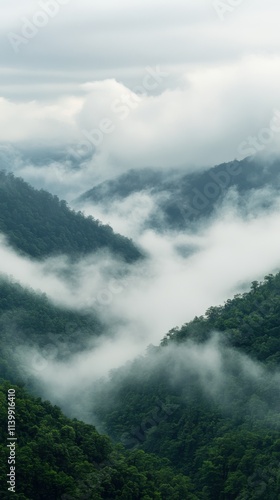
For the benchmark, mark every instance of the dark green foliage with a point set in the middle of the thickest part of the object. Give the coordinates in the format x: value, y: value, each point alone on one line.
x: 39, y: 224
x: 59, y: 458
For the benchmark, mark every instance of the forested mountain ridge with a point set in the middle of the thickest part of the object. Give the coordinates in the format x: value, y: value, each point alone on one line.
x: 38, y: 224
x: 221, y: 395
x: 181, y: 199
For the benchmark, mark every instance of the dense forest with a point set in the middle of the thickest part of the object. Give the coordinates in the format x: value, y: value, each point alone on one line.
x: 59, y: 458
x: 38, y: 224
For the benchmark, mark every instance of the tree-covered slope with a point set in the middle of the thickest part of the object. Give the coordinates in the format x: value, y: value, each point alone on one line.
x: 39, y: 224
x: 181, y: 199
x: 61, y: 459
x: 208, y: 398
x: 29, y: 320
x: 249, y: 322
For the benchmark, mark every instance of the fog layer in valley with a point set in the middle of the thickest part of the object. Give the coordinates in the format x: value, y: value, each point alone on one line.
x: 181, y: 276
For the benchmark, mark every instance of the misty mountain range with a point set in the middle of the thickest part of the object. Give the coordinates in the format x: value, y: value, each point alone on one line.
x: 182, y: 199
x: 197, y: 415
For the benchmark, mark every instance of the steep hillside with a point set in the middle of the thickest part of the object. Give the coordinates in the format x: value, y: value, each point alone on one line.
x: 39, y: 224
x: 208, y: 401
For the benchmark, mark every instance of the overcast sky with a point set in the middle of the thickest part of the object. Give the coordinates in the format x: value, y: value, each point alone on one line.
x: 135, y: 83
x: 87, y: 41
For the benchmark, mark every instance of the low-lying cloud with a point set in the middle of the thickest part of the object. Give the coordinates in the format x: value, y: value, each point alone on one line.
x: 139, y: 303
